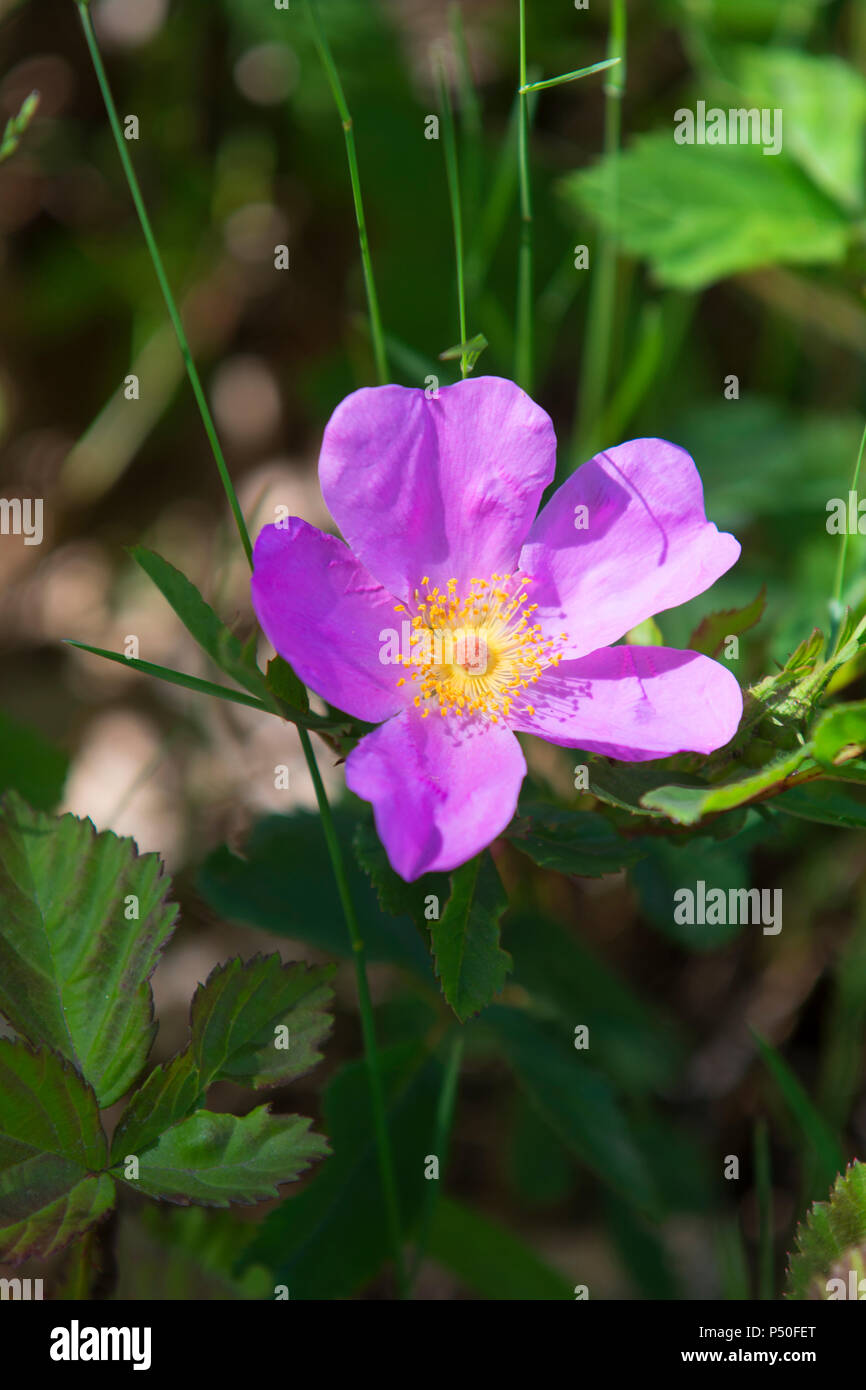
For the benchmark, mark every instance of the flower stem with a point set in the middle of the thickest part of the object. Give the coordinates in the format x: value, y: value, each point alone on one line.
x: 324, y: 51
x: 836, y: 603
x: 377, y: 1090
x: 454, y: 197
x: 161, y: 276
x: 523, y: 349
x: 595, y: 370
x: 444, y: 1120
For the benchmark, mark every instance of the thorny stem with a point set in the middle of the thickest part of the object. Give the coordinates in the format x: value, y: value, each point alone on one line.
x: 377, y: 1092
x: 324, y: 51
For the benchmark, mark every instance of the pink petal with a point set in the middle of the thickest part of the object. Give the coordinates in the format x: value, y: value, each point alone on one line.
x: 647, y: 545
x: 441, y: 788
x: 635, y: 703
x: 324, y: 614
x: 444, y: 488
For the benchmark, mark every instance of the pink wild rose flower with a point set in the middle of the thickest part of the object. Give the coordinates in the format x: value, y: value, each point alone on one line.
x: 455, y: 618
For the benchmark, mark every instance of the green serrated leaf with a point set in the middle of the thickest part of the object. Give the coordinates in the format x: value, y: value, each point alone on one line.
x: 237, y: 1018
x: 737, y: 209
x: 575, y: 1100
x: 571, y: 842
x: 83, y: 920
x: 470, y: 963
x: 824, y: 101
x: 213, y: 1160
x: 238, y: 1012
x: 830, y: 1259
x: 51, y: 1141
x: 710, y: 634
x: 396, y: 896
x: 169, y: 1093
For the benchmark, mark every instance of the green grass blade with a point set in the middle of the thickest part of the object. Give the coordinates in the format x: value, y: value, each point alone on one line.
x: 764, y: 1190
x: 829, y: 1159
x: 569, y: 76
x: 165, y: 673
x: 453, y: 175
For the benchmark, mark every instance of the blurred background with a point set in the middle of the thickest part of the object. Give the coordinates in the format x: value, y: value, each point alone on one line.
x: 754, y: 270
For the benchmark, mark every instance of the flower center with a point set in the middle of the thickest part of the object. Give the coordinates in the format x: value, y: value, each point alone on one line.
x: 477, y: 654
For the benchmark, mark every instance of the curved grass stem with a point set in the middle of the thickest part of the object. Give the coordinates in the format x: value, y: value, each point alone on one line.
x: 156, y: 258
x: 523, y: 356
x: 453, y: 174
x: 595, y: 373
x: 377, y: 1091
x: 324, y: 51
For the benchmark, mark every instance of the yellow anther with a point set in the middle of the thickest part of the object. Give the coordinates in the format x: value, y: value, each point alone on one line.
x: 474, y: 654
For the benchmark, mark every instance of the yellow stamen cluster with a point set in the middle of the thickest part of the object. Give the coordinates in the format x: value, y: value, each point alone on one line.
x: 479, y: 654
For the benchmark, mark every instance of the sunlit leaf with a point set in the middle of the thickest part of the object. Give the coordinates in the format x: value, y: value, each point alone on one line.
x: 257, y: 1023
x: 216, y: 1159
x: 830, y: 1259
x: 712, y: 631
x: 824, y: 105
x: 736, y: 209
